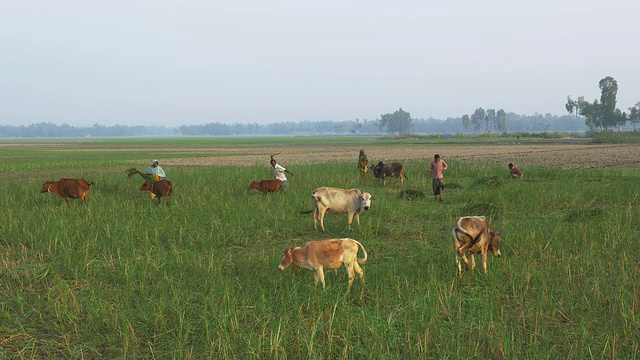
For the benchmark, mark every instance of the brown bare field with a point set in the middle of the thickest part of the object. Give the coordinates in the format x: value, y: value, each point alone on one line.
x: 544, y: 154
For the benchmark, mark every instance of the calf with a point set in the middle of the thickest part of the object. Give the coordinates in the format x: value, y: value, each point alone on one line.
x: 159, y: 188
x: 330, y: 254
x: 266, y: 186
x: 68, y: 189
x: 339, y: 201
x: 471, y: 235
x: 382, y: 170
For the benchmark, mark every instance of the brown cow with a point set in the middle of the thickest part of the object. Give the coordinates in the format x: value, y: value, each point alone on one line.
x: 471, y: 235
x: 330, y: 254
x: 159, y: 188
x: 266, y: 186
x: 68, y: 189
x: 339, y: 201
x: 382, y: 170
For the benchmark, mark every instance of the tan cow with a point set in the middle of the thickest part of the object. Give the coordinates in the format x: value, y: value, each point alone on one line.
x: 330, y: 254
x: 471, y: 235
x: 339, y: 201
x: 68, y: 189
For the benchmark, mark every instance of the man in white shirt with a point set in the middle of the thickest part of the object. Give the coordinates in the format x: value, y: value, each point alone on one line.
x: 279, y: 171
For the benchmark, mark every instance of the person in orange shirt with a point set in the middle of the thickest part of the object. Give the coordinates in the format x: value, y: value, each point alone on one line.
x: 438, y: 166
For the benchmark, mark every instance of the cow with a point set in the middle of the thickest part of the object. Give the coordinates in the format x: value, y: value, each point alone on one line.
x: 330, y: 254
x: 339, y: 201
x: 68, y: 189
x: 382, y: 170
x: 266, y: 186
x: 159, y: 188
x: 472, y: 235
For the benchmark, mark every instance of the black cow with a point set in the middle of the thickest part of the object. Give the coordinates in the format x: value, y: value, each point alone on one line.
x: 382, y: 170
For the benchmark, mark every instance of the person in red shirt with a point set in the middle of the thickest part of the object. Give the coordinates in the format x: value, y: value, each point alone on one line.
x: 438, y: 166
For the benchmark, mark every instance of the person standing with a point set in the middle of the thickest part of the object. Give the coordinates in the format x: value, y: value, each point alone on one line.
x: 279, y: 171
x: 437, y: 169
x: 515, y: 172
x: 156, y: 172
x: 363, y: 164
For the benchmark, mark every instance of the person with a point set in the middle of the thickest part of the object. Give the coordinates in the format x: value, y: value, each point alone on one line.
x: 363, y: 163
x: 279, y: 171
x: 438, y: 166
x: 156, y: 172
x: 515, y: 172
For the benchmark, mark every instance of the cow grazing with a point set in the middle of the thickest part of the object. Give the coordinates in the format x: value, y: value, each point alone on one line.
x: 339, y: 201
x: 266, y: 186
x: 382, y: 170
x: 68, y: 189
x: 330, y: 254
x: 471, y: 235
x: 159, y: 188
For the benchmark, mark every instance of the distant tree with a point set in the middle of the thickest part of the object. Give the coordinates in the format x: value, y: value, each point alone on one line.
x: 501, y: 121
x: 634, y: 115
x: 574, y: 106
x: 608, y: 92
x: 490, y: 119
x: 477, y: 118
x: 466, y: 121
x: 399, y: 121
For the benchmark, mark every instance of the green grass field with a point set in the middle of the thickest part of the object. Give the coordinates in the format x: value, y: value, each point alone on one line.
x: 121, y: 277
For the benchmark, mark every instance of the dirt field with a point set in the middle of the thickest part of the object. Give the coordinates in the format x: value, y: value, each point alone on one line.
x: 561, y: 155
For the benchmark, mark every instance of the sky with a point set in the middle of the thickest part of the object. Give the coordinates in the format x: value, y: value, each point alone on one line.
x: 173, y: 63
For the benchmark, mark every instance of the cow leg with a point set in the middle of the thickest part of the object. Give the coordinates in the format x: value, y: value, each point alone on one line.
x: 484, y: 261
x: 464, y: 258
x: 351, y: 215
x: 322, y: 213
x: 320, y: 275
x: 351, y: 273
x: 315, y: 219
x: 473, y: 262
x: 358, y: 270
x: 459, y: 264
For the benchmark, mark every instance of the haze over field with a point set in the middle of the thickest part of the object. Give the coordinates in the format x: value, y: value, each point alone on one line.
x: 180, y: 63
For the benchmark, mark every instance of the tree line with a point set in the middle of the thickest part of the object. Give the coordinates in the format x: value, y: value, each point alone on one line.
x: 584, y: 116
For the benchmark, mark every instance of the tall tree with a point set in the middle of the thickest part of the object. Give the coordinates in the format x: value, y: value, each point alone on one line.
x: 490, y: 119
x: 634, y: 115
x: 477, y: 118
x: 501, y: 121
x: 608, y: 92
x: 466, y: 121
x: 399, y: 121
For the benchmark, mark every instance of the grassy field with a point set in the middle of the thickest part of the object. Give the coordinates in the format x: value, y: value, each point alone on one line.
x: 121, y: 277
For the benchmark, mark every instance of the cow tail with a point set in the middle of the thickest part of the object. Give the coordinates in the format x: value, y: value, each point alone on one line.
x: 361, y: 260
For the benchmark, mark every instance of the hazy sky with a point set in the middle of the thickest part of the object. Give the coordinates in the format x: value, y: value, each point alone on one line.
x: 194, y: 62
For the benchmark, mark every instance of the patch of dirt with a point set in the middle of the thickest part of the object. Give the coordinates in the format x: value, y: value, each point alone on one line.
x: 551, y: 155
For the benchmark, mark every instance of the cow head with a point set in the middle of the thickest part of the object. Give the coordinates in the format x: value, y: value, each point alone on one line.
x: 146, y: 186
x: 494, y: 243
x: 376, y: 170
x: 287, y: 259
x: 254, y: 185
x: 365, y: 201
x: 45, y: 186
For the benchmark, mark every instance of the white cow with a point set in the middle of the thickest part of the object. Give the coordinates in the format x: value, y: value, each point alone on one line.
x: 339, y: 201
x: 330, y: 254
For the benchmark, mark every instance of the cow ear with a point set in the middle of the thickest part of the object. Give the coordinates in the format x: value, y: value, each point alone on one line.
x: 373, y: 197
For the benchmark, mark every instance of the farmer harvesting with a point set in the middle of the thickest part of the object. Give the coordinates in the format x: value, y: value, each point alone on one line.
x: 156, y: 171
